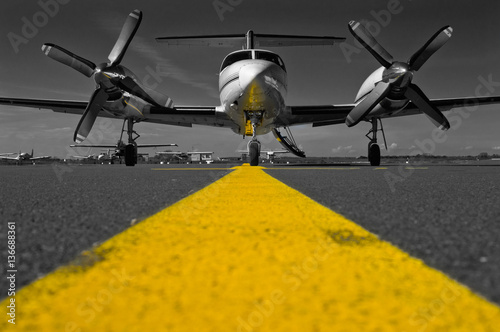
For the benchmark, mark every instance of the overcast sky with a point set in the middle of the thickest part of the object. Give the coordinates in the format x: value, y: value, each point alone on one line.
x: 326, y: 75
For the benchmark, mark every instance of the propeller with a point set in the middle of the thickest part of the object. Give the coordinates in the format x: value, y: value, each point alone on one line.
x: 397, y: 76
x: 110, y: 77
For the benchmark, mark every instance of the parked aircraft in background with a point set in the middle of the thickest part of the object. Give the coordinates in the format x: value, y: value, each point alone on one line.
x: 21, y: 156
x: 175, y: 154
x: 253, y: 87
x: 120, y: 148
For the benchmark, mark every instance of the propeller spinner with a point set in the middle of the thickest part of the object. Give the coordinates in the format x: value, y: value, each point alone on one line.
x: 397, y: 76
x: 110, y: 77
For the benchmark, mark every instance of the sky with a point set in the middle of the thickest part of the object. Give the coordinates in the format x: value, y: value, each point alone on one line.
x: 316, y: 75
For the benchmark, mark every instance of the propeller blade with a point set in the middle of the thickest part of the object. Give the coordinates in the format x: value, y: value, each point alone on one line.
x: 364, y: 107
x: 163, y: 100
x: 131, y: 86
x: 433, y: 44
x: 370, y: 43
x: 57, y: 53
x: 416, y: 95
x: 128, y: 31
x: 87, y: 120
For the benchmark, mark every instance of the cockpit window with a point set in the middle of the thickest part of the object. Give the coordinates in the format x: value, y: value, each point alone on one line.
x: 247, y: 55
x: 269, y: 56
x: 235, y: 57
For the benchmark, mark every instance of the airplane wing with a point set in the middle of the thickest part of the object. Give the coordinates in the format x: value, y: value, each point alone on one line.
x: 324, y: 115
x: 42, y: 157
x: 110, y: 146
x: 185, y: 116
x: 319, y: 115
x: 8, y: 158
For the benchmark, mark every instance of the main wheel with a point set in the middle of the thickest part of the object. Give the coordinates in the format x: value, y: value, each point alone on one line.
x: 130, y: 155
x: 254, y: 153
x: 374, y: 154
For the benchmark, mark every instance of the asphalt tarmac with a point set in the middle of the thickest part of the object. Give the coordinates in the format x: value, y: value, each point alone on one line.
x: 62, y: 210
x: 448, y: 216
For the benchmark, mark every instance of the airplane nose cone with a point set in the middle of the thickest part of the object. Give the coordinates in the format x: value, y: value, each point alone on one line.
x: 251, y: 74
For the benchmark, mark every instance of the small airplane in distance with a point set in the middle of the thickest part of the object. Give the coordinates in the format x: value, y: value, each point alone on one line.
x: 21, y: 156
x: 101, y: 157
x: 120, y: 148
x: 253, y: 88
x: 176, y: 154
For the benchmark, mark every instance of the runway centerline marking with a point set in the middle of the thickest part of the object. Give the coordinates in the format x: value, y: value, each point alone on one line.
x: 248, y: 253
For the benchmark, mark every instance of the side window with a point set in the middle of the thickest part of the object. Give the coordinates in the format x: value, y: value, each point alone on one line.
x: 235, y: 57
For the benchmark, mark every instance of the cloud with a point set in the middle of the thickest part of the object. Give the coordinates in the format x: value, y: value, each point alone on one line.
x: 58, y: 130
x: 468, y: 147
x: 496, y: 148
x: 393, y: 146
x: 169, y: 69
x: 343, y: 149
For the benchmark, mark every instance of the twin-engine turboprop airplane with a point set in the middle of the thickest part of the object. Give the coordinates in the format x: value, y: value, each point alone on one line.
x: 253, y: 87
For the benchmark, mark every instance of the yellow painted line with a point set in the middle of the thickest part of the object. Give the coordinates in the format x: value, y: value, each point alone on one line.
x: 133, y: 107
x: 315, y: 168
x: 378, y: 168
x: 190, y: 169
x: 248, y: 253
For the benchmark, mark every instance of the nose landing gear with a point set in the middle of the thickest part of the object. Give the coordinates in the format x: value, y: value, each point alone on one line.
x: 255, y: 118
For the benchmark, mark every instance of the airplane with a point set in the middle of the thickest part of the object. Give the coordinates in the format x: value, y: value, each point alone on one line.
x: 101, y: 157
x: 22, y: 156
x: 175, y: 154
x: 120, y: 148
x: 253, y: 86
x: 270, y: 154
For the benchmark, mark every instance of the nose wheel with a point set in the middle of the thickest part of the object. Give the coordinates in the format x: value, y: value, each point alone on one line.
x: 254, y: 145
x: 254, y: 152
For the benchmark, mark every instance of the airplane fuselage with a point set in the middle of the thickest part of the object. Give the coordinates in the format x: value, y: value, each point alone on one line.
x: 253, y: 87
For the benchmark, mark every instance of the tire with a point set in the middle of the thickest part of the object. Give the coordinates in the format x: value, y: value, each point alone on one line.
x: 374, y: 154
x: 254, y: 154
x: 130, y: 155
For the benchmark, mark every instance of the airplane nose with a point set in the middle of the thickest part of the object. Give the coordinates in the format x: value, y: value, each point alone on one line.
x: 251, y: 74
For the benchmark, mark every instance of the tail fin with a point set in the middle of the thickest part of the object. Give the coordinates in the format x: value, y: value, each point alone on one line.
x: 250, y: 40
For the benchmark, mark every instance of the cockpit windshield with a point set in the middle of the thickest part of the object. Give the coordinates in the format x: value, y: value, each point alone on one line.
x: 252, y: 54
x: 235, y: 57
x: 269, y: 56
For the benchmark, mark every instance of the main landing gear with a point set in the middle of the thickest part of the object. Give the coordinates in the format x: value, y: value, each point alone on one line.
x: 130, y: 152
x: 373, y: 147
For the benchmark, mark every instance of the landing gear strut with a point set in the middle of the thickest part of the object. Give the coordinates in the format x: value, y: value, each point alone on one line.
x: 131, y: 147
x: 254, y: 118
x: 254, y: 148
x: 373, y: 147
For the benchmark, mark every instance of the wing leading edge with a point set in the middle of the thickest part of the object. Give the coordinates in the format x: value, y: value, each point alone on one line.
x: 185, y: 116
x: 325, y: 115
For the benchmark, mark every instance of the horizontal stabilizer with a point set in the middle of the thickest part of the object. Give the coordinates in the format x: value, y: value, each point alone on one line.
x: 250, y: 40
